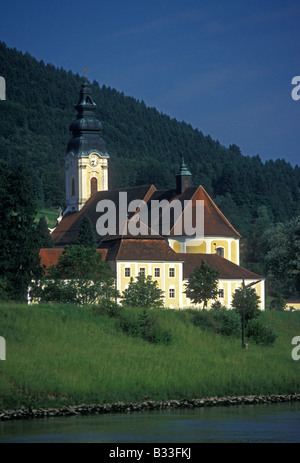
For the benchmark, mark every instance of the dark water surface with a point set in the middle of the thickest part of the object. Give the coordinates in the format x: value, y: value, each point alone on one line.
x: 278, y: 423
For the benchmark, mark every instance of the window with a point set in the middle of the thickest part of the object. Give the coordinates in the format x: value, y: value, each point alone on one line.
x: 172, y: 272
x: 171, y: 293
x: 127, y: 271
x: 220, y: 251
x: 157, y: 272
x: 221, y: 293
x: 142, y: 271
x: 94, y: 185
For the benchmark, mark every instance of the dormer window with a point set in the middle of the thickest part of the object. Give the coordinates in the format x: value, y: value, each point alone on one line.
x: 220, y: 251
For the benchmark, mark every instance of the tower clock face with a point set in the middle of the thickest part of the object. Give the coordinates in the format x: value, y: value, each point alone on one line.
x: 93, y: 160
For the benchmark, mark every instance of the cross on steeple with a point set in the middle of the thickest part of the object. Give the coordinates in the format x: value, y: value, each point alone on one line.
x: 85, y: 69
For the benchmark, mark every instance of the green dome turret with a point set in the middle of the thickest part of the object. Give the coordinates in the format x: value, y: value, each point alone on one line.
x: 183, y: 178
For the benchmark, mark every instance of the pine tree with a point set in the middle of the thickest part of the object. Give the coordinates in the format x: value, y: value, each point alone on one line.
x: 43, y: 234
x: 86, y: 234
x: 19, y: 252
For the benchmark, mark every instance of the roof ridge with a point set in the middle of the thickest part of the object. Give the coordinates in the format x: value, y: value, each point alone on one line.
x: 149, y: 187
x: 222, y: 216
x: 123, y: 228
x: 235, y: 265
x: 215, y: 257
x: 146, y: 251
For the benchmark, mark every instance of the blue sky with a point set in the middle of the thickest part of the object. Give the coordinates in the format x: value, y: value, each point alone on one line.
x: 225, y: 67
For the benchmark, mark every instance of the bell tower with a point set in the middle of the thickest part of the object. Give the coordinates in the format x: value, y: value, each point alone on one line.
x: 86, y: 158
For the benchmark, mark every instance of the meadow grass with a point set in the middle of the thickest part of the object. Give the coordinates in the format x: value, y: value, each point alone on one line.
x: 51, y: 215
x: 59, y: 355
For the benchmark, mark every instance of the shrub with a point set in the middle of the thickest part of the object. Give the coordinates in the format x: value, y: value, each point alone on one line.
x: 260, y: 333
x: 129, y: 323
x: 106, y: 307
x: 227, y: 322
x: 143, y: 324
x: 151, y: 331
x: 202, y: 319
x: 278, y: 303
x: 221, y: 321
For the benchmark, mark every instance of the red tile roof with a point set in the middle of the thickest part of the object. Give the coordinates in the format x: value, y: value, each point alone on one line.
x: 50, y: 256
x: 141, y: 250
x: 215, y: 223
x: 228, y: 270
x: 159, y: 251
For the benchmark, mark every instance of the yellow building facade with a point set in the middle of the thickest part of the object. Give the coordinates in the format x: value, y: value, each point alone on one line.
x: 129, y: 257
x: 167, y: 274
x: 171, y: 281
x: 292, y: 304
x: 225, y: 247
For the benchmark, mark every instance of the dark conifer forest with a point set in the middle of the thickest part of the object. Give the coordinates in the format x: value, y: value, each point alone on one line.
x: 261, y: 199
x: 145, y: 146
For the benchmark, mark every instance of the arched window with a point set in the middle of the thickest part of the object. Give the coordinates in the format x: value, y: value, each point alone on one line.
x: 73, y: 187
x: 220, y: 251
x: 94, y: 185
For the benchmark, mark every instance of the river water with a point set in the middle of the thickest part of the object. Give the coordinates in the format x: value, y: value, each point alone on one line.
x: 278, y: 423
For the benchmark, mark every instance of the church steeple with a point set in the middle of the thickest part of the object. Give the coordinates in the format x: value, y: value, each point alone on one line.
x: 86, y: 129
x: 86, y: 155
x: 183, y: 178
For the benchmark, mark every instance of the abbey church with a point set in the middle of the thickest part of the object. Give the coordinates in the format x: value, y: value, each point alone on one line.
x: 168, y: 256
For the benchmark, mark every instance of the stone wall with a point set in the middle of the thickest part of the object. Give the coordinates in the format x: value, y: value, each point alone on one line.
x: 147, y: 405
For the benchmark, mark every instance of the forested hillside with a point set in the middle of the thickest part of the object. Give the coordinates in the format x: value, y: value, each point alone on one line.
x: 144, y: 145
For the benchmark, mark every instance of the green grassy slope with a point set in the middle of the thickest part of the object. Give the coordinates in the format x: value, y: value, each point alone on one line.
x: 51, y: 215
x: 66, y: 355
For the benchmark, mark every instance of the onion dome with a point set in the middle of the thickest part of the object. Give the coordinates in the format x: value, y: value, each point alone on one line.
x: 86, y: 129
